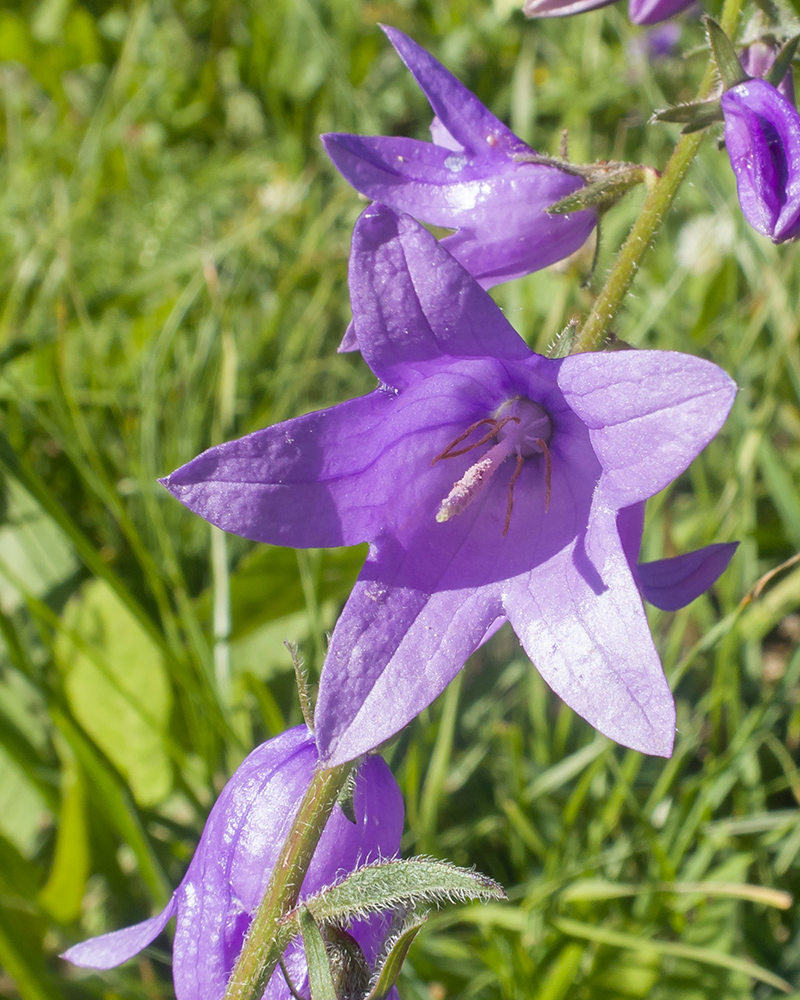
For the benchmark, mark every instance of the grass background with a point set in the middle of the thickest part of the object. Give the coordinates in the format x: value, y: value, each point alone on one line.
x: 174, y: 248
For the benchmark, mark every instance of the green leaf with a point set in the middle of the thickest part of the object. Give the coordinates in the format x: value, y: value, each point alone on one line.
x: 391, y: 885
x: 118, y: 687
x: 389, y: 965
x: 783, y: 61
x: 320, y: 980
x: 696, y: 114
x: 728, y: 65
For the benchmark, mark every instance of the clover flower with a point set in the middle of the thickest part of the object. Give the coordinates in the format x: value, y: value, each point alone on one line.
x: 472, y: 178
x: 762, y: 136
x: 639, y: 11
x: 234, y: 860
x: 488, y: 481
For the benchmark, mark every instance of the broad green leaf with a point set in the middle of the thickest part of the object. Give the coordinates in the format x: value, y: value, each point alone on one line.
x: 118, y: 688
x: 23, y: 810
x: 35, y: 554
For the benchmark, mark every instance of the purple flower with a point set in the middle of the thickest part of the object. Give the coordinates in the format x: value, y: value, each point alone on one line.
x: 234, y: 860
x: 640, y: 11
x: 488, y: 481
x: 470, y: 178
x: 762, y: 135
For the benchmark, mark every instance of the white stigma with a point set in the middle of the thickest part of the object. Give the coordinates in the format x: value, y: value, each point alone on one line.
x: 473, y: 481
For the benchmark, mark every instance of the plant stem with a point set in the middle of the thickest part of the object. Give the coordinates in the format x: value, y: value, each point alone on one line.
x: 595, y: 330
x: 264, y: 943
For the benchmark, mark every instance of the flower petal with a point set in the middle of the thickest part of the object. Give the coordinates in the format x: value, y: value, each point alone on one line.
x: 396, y: 646
x: 467, y: 120
x: 762, y: 135
x: 653, y: 11
x: 649, y: 413
x: 414, y: 304
x: 108, y: 950
x: 580, y: 618
x: 673, y: 583
x: 561, y: 8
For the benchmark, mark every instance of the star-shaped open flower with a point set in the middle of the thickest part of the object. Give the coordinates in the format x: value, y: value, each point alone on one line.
x: 488, y: 481
x: 473, y: 178
x: 232, y: 865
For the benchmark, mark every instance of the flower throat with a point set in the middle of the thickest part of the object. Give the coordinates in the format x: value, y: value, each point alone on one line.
x: 521, y: 429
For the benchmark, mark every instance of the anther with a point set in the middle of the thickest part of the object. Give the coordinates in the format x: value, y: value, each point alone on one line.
x: 496, y: 426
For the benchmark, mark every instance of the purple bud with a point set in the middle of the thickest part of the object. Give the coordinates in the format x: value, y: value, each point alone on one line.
x: 757, y: 59
x: 762, y: 134
x: 232, y: 865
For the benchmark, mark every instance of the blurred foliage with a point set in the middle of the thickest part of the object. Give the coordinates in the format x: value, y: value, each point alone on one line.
x: 175, y: 250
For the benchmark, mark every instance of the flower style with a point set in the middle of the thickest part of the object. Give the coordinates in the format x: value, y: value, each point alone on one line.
x: 234, y: 860
x: 488, y: 481
x: 472, y: 178
x: 762, y: 135
x: 640, y: 11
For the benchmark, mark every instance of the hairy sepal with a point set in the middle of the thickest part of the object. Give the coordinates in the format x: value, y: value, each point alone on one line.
x: 394, y: 954
x: 725, y: 57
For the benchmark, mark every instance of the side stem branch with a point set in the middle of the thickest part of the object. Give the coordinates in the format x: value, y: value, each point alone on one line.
x: 597, y: 327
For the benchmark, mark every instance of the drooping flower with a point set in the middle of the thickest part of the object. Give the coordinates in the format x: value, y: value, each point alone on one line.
x: 762, y: 136
x: 487, y: 480
x: 640, y: 11
x: 234, y: 860
x: 472, y: 178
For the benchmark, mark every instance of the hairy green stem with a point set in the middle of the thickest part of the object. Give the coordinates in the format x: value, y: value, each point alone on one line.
x: 597, y: 327
x: 265, y: 941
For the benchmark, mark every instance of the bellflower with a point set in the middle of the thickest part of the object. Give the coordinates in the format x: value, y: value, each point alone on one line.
x: 762, y: 135
x: 234, y: 860
x: 471, y: 178
x: 640, y: 11
x: 488, y: 481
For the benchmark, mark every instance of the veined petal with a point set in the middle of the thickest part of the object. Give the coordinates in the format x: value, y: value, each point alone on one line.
x: 653, y: 11
x: 561, y: 8
x: 580, y: 618
x: 649, y: 413
x: 467, y: 120
x: 396, y: 646
x: 339, y: 476
x: 673, y: 583
x: 108, y: 950
x: 762, y: 135
x: 413, y: 304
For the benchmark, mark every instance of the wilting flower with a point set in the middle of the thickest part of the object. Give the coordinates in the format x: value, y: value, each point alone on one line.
x: 762, y: 135
x: 640, y: 11
x: 234, y: 860
x: 472, y: 178
x: 488, y: 481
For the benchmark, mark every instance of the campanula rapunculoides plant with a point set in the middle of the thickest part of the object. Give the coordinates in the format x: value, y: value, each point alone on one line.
x: 472, y: 178
x: 488, y: 481
x: 235, y: 857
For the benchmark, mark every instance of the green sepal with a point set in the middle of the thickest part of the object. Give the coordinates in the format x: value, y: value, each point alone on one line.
x: 320, y: 979
x: 783, y: 61
x: 346, y: 798
x: 393, y: 885
x: 728, y: 65
x: 562, y: 345
x: 389, y: 965
x: 607, y: 184
x: 697, y: 115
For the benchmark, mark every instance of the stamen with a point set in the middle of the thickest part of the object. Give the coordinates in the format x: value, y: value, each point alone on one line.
x: 510, y: 504
x: 497, y: 426
x: 548, y: 472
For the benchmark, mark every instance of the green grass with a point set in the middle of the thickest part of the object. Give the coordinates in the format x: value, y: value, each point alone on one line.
x: 174, y: 250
